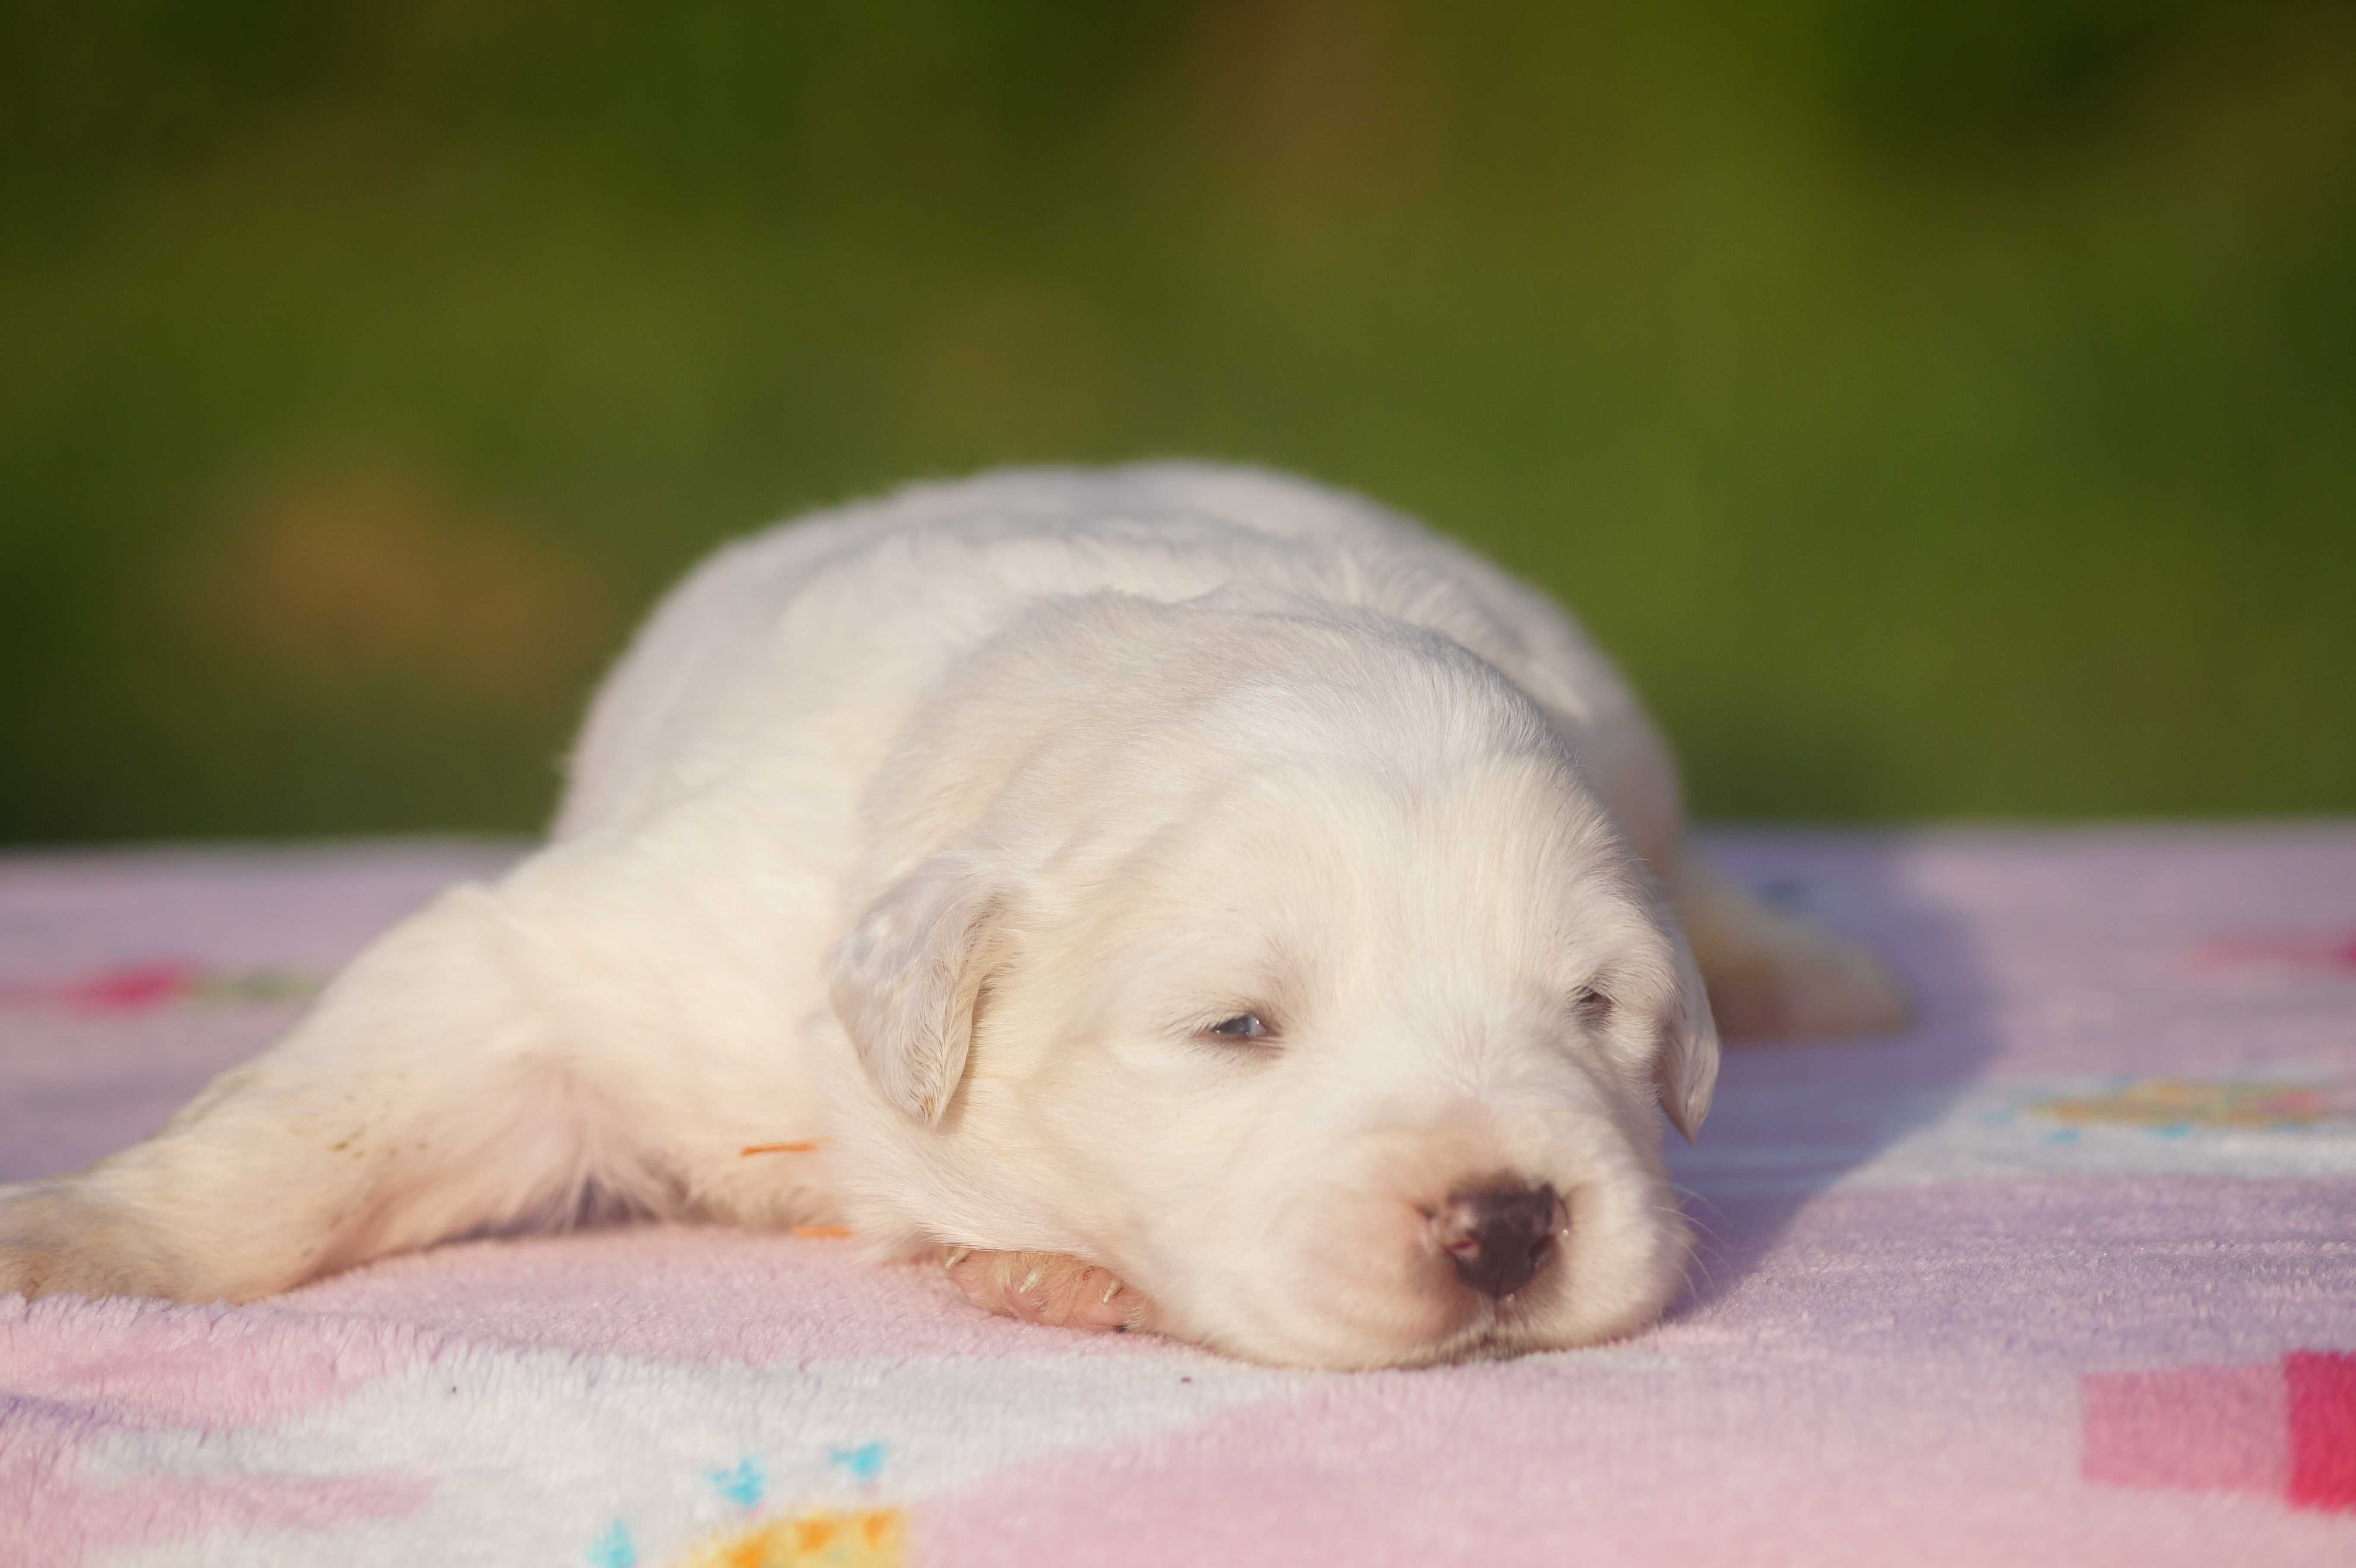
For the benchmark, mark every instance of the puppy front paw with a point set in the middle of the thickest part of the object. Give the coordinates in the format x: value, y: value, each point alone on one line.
x: 1046, y: 1287
x: 1771, y: 972
x: 56, y: 1241
x: 1800, y: 979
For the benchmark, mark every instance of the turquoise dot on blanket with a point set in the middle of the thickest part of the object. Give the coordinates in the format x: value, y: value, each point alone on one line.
x: 743, y: 1484
x: 615, y: 1549
x: 864, y: 1462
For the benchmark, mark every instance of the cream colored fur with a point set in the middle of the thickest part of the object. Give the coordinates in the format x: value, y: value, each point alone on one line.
x: 941, y: 831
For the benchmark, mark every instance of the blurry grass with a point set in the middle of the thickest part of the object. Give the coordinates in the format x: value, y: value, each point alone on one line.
x: 1940, y: 410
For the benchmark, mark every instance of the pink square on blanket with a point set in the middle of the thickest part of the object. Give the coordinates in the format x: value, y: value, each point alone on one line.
x: 2209, y: 1429
x: 2286, y: 1429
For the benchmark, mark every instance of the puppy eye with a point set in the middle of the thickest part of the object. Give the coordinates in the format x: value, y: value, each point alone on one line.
x: 1243, y: 1026
x: 1593, y: 1005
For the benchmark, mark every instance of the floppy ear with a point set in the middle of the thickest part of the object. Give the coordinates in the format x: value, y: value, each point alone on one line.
x: 1684, y: 1072
x: 906, y: 977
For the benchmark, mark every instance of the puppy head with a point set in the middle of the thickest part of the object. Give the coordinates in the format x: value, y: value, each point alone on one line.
x: 1344, y: 1054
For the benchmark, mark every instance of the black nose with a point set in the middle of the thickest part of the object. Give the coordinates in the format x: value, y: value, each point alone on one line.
x: 1499, y: 1237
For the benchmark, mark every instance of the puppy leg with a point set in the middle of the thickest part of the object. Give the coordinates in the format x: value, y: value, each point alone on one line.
x: 1772, y: 973
x: 420, y: 1099
x: 1046, y: 1287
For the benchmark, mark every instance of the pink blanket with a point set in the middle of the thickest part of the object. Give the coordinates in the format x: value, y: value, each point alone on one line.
x: 2067, y: 1273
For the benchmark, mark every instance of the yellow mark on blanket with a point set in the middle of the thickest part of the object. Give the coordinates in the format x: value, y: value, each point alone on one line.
x: 850, y: 1538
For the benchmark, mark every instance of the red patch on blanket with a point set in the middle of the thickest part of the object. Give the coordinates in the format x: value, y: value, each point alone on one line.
x: 2322, y: 1429
x: 140, y: 986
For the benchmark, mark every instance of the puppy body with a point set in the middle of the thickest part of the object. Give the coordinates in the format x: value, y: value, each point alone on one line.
x: 956, y: 834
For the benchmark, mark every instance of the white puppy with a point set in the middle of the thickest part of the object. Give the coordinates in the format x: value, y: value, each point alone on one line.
x: 1191, y: 897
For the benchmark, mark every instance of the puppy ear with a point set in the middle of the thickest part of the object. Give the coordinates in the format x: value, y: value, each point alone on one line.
x: 906, y: 977
x: 1685, y: 1070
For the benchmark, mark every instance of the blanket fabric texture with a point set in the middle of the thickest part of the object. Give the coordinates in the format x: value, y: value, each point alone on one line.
x: 2065, y: 1273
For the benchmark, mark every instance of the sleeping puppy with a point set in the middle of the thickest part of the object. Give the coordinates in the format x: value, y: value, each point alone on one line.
x: 1178, y: 897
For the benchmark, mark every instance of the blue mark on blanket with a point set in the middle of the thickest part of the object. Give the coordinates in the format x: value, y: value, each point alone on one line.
x: 864, y: 1462
x: 615, y: 1549
x: 2063, y: 1135
x: 743, y: 1485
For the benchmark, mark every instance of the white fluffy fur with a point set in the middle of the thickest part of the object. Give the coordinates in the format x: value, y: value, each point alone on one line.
x: 940, y: 830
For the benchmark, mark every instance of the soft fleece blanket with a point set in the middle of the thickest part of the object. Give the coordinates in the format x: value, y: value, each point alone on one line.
x: 2066, y: 1274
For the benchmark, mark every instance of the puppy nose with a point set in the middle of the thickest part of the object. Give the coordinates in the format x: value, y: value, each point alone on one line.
x: 1498, y: 1237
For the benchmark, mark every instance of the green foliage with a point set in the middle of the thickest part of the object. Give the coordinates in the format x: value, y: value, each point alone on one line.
x: 1941, y: 409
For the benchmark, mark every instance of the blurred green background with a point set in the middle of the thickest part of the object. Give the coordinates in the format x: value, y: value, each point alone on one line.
x: 1940, y: 408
